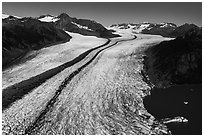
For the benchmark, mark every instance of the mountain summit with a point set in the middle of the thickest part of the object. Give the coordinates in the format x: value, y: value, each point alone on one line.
x: 81, y: 26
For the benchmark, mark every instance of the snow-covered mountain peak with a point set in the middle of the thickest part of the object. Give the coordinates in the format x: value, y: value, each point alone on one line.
x: 4, y: 16
x: 48, y: 18
x: 137, y: 28
x: 163, y: 28
x: 166, y: 24
x: 145, y: 22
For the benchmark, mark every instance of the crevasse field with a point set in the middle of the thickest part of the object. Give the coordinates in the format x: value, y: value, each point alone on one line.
x: 101, y: 94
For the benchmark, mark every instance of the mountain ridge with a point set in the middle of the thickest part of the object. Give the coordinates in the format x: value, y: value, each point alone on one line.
x: 164, y: 29
x: 19, y: 36
x: 177, y: 61
x: 37, y: 32
x: 23, y: 34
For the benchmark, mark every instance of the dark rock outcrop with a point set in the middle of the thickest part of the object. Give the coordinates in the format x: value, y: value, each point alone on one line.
x: 160, y: 29
x: 175, y: 69
x: 178, y: 61
x: 186, y: 29
x: 83, y: 26
x: 20, y: 36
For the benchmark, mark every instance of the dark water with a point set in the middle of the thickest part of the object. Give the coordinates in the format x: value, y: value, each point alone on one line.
x: 169, y: 103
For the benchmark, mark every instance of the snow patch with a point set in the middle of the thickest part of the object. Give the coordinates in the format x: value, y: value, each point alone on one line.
x: 144, y: 25
x: 185, y: 102
x: 49, y: 19
x: 165, y: 25
x: 6, y: 16
x: 81, y: 27
x: 131, y: 27
x: 137, y: 28
x: 171, y: 25
x: 149, y: 28
x: 141, y: 28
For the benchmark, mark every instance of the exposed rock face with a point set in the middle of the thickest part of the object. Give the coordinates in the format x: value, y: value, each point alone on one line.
x: 174, y: 68
x: 83, y: 26
x: 186, y: 29
x: 163, y: 29
x: 178, y: 61
x: 22, y: 35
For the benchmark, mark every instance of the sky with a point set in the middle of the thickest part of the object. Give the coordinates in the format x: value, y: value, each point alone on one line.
x: 108, y: 13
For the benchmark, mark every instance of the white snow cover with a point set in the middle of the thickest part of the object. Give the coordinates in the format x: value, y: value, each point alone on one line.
x: 81, y: 27
x: 50, y: 57
x: 165, y: 25
x: 130, y: 46
x: 6, y: 16
x: 172, y: 25
x: 48, y: 19
x: 123, y: 32
x: 149, y: 28
x: 133, y: 28
x: 144, y: 25
x: 141, y: 27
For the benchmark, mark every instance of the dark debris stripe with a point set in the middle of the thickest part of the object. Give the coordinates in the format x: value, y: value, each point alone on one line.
x: 38, y: 123
x: 18, y: 90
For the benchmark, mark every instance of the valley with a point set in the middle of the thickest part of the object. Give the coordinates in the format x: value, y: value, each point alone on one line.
x: 66, y: 103
x: 65, y: 75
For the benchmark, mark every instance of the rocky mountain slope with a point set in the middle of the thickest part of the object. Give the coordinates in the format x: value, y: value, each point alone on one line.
x: 81, y: 26
x: 20, y: 36
x: 174, y: 71
x: 178, y: 61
